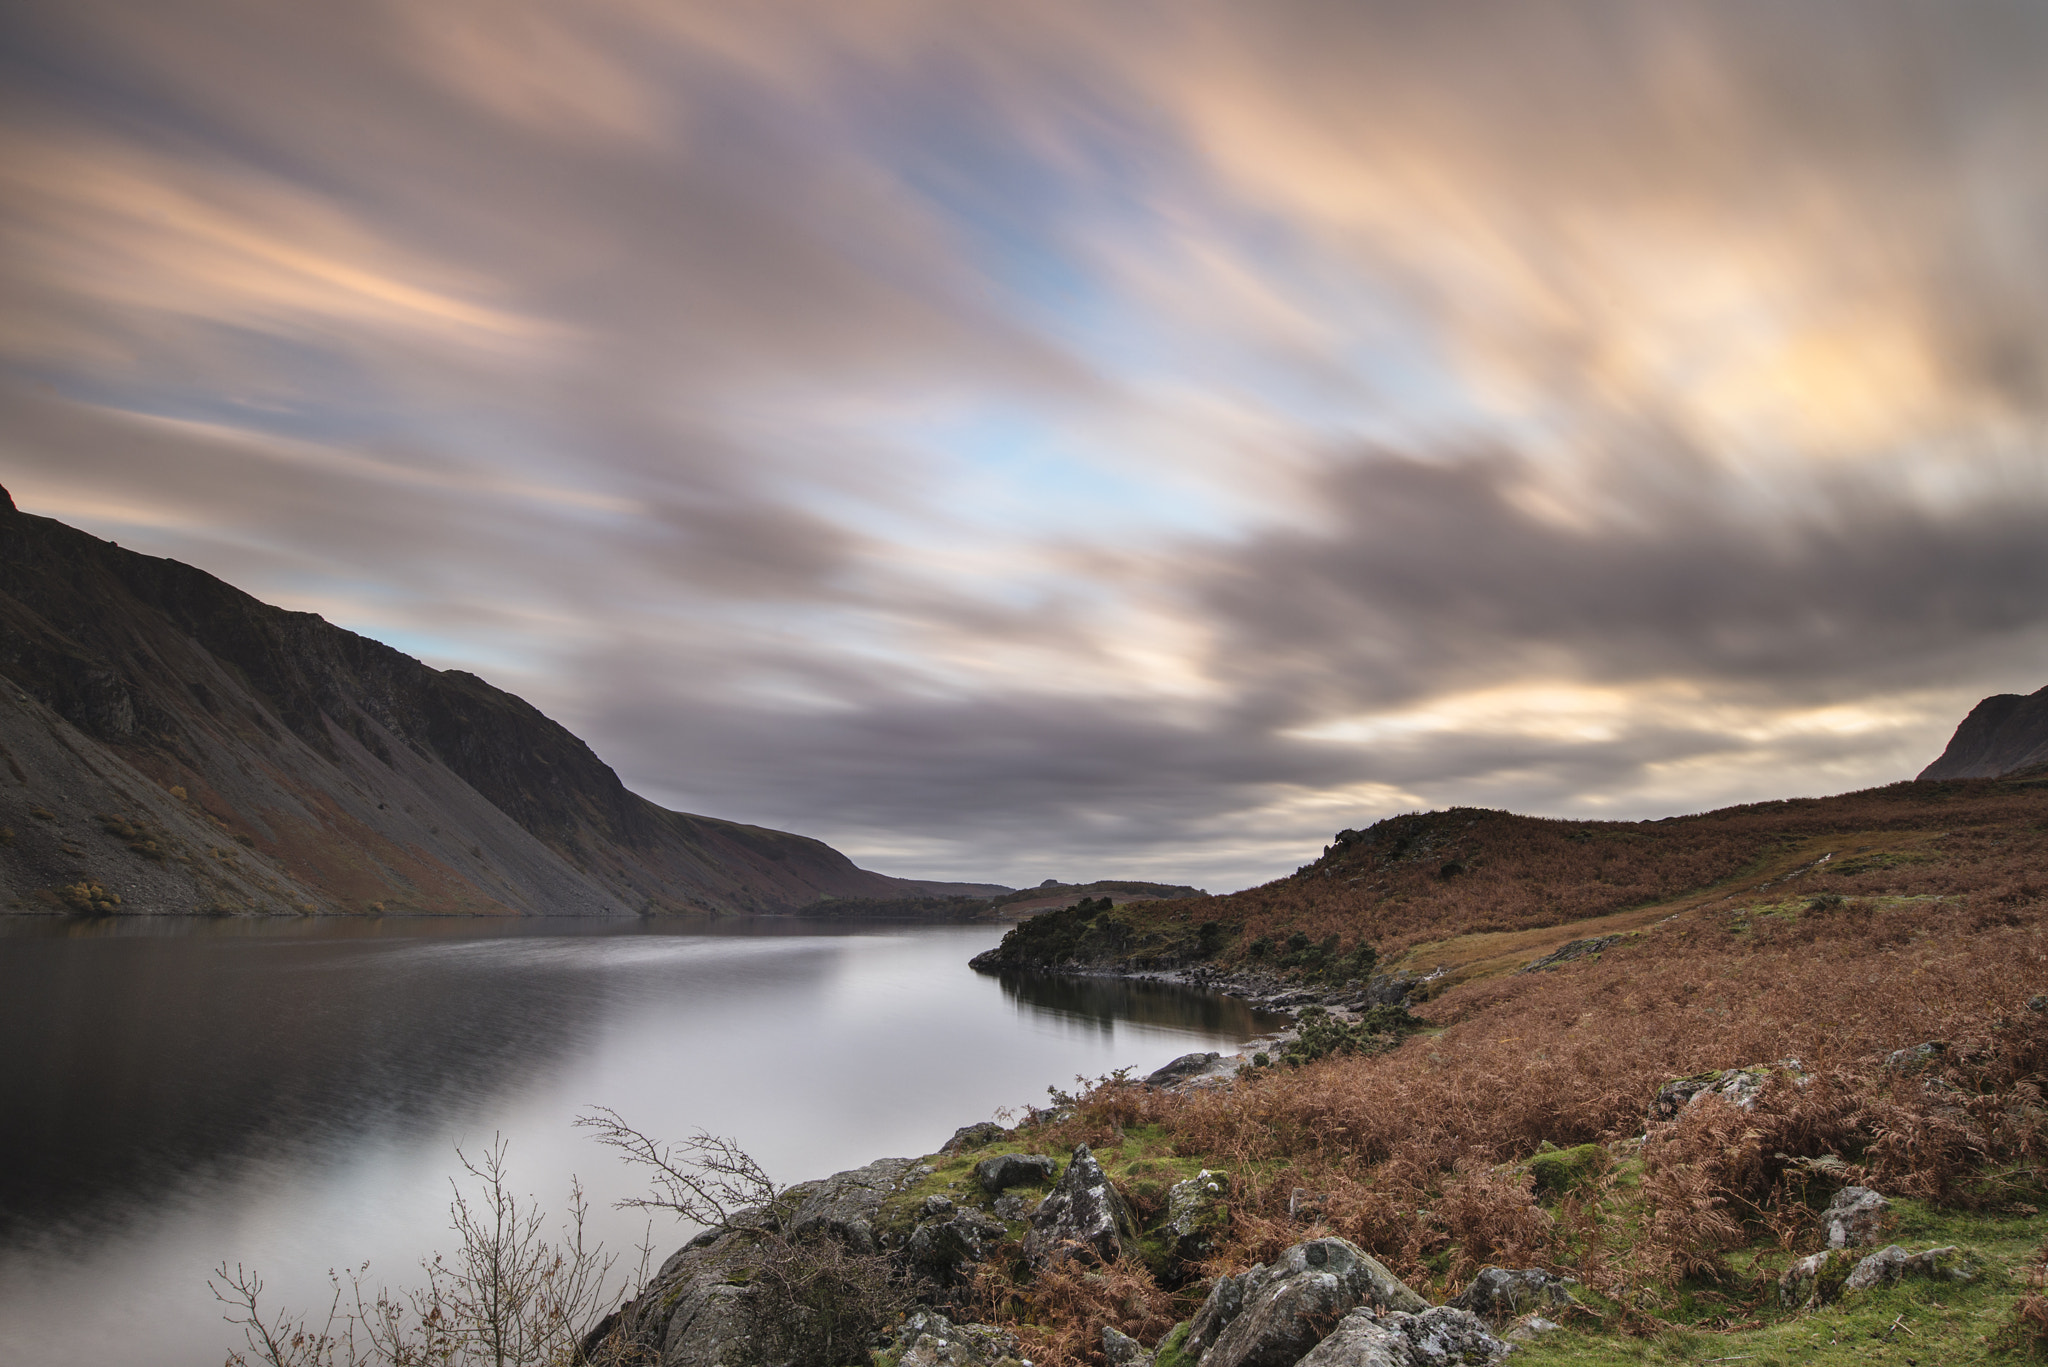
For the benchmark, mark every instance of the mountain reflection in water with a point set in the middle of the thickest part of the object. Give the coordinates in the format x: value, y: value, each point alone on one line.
x: 1102, y: 1003
x: 289, y: 1094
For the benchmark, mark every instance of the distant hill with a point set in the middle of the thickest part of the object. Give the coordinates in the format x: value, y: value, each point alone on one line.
x: 1053, y: 894
x: 2002, y: 735
x: 170, y: 744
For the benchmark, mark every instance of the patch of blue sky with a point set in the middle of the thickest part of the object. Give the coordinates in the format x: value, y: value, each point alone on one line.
x: 1012, y: 466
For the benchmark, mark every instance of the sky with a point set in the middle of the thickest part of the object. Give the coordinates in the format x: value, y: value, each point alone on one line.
x: 1076, y: 439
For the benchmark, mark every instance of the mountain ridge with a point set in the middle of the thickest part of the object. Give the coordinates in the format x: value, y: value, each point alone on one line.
x: 179, y: 745
x: 2003, y: 734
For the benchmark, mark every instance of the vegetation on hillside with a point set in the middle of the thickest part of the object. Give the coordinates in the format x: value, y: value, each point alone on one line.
x: 1919, y: 922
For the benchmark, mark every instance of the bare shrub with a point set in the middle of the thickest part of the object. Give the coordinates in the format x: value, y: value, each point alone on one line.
x: 509, y: 1296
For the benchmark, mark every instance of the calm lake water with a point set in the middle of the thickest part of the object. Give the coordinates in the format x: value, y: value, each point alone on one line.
x: 290, y: 1094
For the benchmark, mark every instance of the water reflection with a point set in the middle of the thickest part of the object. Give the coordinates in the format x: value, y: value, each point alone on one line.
x: 1104, y: 1003
x: 290, y: 1093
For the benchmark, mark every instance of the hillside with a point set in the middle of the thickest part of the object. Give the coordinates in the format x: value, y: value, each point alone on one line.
x: 1467, y: 892
x: 170, y: 744
x: 2004, y: 734
x: 1646, y: 1057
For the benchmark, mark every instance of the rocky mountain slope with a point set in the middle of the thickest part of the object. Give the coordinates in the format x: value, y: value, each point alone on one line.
x: 2004, y: 734
x: 170, y: 744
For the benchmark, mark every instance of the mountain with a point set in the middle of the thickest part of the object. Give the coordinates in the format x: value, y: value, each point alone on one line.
x: 170, y: 744
x: 2002, y: 735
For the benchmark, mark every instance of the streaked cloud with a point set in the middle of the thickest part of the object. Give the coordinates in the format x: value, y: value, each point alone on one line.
x: 1071, y: 439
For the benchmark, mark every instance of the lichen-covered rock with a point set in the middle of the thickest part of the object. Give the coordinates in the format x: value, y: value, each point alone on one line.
x: 1008, y: 1170
x: 845, y: 1205
x: 976, y: 1136
x: 697, y: 1311
x: 1501, y: 1294
x: 1853, y: 1218
x: 1891, y: 1265
x: 1917, y: 1059
x: 929, y: 1339
x: 950, y: 1240
x: 1122, y: 1350
x: 1530, y: 1327
x: 1272, y: 1314
x: 1084, y: 1218
x: 1196, y: 1214
x: 1181, y: 1069
x: 1434, y: 1338
x: 1815, y: 1279
x: 1741, y: 1086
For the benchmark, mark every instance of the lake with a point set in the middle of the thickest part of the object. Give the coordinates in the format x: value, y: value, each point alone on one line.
x: 290, y: 1094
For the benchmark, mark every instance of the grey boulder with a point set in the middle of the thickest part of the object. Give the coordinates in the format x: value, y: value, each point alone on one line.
x: 1435, y: 1338
x: 929, y: 1339
x: 1853, y: 1218
x: 1122, y: 1350
x: 1501, y: 1294
x: 1181, y: 1069
x: 1272, y: 1314
x: 1008, y: 1170
x: 1084, y: 1218
x: 1196, y: 1214
x: 1892, y: 1265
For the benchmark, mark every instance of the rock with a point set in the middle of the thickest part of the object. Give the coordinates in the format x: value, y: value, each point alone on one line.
x: 1742, y: 1086
x: 1815, y: 1279
x: 1917, y: 1059
x: 1434, y: 1338
x: 1822, y: 1278
x: 1196, y: 1214
x: 1011, y: 1207
x: 1566, y: 953
x: 1014, y: 1170
x: 1891, y: 1265
x: 943, y: 1248
x: 976, y: 1136
x: 2038, y: 1002
x: 1084, y: 1217
x: 695, y: 1313
x: 844, y: 1206
x: 1853, y: 1218
x: 1272, y: 1314
x: 697, y: 1310
x: 1530, y: 1327
x: 1500, y: 1294
x: 1182, y: 1068
x: 1122, y: 1350
x: 929, y: 1339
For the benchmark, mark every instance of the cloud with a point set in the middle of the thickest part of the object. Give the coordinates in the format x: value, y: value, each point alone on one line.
x: 1061, y: 440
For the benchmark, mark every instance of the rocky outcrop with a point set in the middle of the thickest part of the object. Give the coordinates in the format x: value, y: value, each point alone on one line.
x: 1891, y: 1265
x: 194, y: 750
x: 949, y: 1240
x: 1197, y: 1213
x: 1181, y: 1069
x: 929, y: 1339
x: 1274, y: 1313
x: 1434, y: 1338
x: 998, y: 1174
x: 1122, y: 1350
x: 1740, y: 1086
x: 702, y: 1308
x: 1854, y: 1218
x: 2003, y: 734
x: 1084, y: 1218
x: 1501, y: 1295
x: 1825, y: 1277
x: 976, y: 1136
